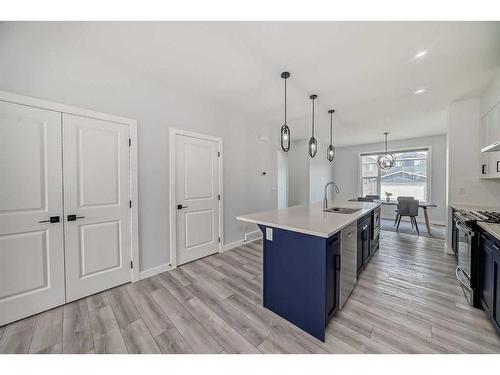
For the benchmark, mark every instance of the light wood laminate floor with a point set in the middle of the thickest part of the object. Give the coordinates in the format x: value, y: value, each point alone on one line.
x: 406, y: 301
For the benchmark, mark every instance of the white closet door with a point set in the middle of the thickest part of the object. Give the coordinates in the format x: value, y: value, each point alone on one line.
x: 197, y: 190
x: 31, y: 248
x: 96, y: 192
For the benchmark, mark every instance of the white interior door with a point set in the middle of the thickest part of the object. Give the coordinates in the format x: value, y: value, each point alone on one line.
x: 31, y: 248
x: 96, y: 192
x: 197, y: 197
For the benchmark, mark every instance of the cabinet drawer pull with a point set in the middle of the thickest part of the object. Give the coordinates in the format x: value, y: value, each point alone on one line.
x: 338, y: 262
x: 498, y: 165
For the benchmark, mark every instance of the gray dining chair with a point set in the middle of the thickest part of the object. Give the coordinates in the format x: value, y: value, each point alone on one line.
x: 408, y: 207
x: 400, y: 199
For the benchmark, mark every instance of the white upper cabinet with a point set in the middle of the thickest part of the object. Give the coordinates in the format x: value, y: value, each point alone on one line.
x: 491, y: 129
x: 489, y: 134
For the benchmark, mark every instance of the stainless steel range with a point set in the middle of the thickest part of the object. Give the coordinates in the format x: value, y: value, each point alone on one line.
x: 465, y: 243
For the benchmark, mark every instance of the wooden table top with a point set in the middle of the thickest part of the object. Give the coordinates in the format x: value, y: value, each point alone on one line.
x: 394, y: 202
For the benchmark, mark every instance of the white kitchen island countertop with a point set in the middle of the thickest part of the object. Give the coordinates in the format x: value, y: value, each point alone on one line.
x: 311, y: 219
x: 491, y: 228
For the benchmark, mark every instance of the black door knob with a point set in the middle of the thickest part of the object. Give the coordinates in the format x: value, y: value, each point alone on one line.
x: 74, y: 217
x: 52, y: 220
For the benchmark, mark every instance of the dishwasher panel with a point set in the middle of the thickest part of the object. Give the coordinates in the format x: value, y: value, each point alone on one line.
x: 348, y: 261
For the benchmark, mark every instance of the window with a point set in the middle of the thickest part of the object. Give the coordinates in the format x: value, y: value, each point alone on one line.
x: 408, y: 177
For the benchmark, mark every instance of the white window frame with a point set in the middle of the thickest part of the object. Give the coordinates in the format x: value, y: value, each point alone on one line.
x: 395, y: 151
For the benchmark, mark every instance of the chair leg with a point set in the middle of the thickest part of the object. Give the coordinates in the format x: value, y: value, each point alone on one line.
x: 411, y: 221
x: 399, y: 221
x: 396, y: 219
x: 416, y: 225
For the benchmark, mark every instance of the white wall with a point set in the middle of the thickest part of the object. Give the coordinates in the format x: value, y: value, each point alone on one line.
x: 491, y: 96
x: 298, y: 169
x: 464, y: 184
x: 282, y: 171
x: 346, y: 173
x: 320, y: 173
x: 307, y: 176
x: 41, y: 61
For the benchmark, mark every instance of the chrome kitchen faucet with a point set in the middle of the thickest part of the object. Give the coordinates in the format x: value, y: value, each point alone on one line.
x: 325, y: 200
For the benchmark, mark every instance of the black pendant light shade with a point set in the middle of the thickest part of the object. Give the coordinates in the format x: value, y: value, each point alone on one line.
x: 285, y: 130
x: 313, y: 143
x: 330, y: 151
x: 387, y: 159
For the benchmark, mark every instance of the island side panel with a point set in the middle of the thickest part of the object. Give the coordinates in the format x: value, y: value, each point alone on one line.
x: 294, y: 279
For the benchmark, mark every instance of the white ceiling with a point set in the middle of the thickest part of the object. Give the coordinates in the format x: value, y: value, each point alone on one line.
x: 364, y: 70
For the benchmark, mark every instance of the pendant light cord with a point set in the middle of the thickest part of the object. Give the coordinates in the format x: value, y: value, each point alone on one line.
x: 331, y: 127
x: 285, y: 101
x: 313, y: 120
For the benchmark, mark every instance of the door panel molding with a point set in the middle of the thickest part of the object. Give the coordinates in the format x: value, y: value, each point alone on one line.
x: 31, y: 247
x: 32, y: 216
x: 61, y: 109
x: 96, y: 163
x: 173, y: 133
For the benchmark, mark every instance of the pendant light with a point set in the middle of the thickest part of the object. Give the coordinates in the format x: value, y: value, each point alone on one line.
x: 285, y: 130
x: 387, y: 159
x: 330, y: 151
x: 313, y: 144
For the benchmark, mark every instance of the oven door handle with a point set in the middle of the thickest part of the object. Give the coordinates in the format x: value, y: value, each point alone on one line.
x: 465, y: 285
x: 460, y: 276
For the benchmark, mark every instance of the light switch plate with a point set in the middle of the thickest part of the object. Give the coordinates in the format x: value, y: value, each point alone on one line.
x: 269, y: 234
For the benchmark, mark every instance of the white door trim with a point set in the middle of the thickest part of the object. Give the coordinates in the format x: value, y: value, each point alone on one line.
x: 173, y: 209
x: 57, y: 107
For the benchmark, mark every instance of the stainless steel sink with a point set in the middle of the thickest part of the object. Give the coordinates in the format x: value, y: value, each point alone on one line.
x: 342, y: 210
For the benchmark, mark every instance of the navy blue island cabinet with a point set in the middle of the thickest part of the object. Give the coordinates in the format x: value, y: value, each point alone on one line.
x: 301, y: 278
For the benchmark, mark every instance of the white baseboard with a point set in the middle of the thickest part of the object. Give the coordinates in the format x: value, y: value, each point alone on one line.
x: 249, y: 237
x: 155, y: 271
x: 233, y: 245
x: 447, y: 249
x: 252, y: 236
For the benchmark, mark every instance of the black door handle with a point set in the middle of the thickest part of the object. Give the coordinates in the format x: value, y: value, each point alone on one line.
x: 52, y: 220
x: 74, y: 217
x: 180, y: 206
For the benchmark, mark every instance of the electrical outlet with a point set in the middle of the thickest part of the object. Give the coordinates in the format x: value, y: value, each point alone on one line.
x: 269, y: 234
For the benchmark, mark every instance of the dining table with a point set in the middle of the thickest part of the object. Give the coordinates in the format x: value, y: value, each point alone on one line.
x: 422, y: 204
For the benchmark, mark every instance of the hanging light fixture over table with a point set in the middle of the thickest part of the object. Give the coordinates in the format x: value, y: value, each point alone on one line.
x: 387, y: 159
x: 313, y: 144
x: 285, y: 130
x: 330, y: 151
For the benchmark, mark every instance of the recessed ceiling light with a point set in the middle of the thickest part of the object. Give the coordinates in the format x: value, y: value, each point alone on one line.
x: 419, y: 91
x: 421, y: 53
